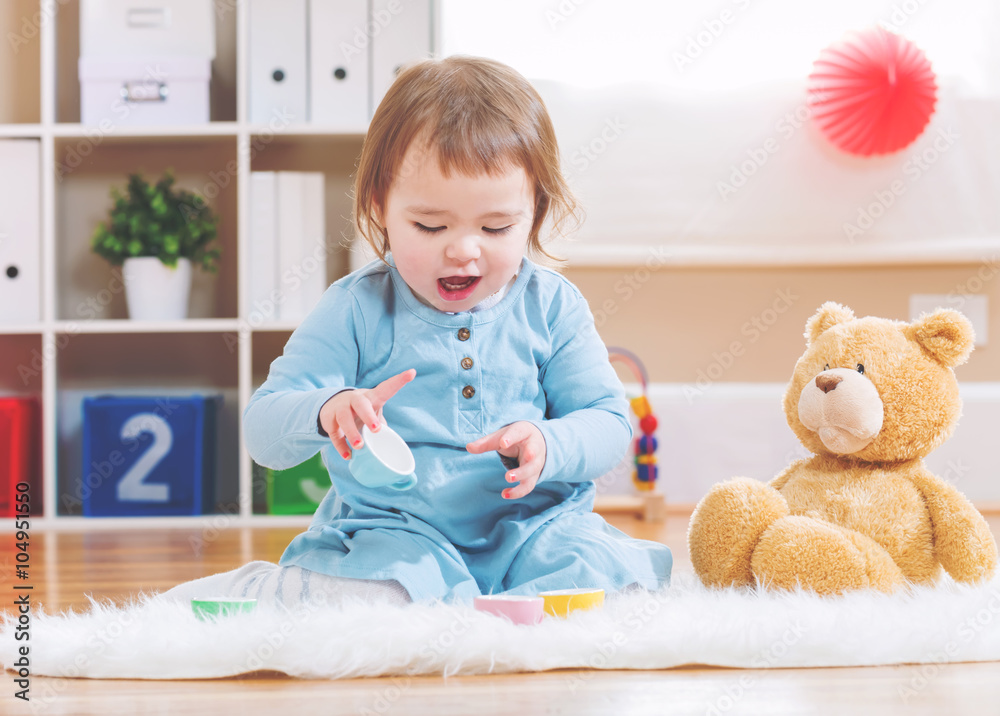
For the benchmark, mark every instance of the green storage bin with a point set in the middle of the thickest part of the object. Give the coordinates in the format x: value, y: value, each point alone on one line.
x: 297, y: 490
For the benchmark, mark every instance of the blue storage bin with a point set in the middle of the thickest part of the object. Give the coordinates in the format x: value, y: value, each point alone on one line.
x: 149, y: 456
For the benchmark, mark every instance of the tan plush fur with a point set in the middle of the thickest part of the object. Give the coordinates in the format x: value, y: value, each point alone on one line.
x: 864, y: 512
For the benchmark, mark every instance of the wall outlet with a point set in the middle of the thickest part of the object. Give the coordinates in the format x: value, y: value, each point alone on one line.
x: 973, y: 306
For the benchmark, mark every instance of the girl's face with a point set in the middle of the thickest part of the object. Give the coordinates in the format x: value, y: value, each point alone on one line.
x: 456, y: 240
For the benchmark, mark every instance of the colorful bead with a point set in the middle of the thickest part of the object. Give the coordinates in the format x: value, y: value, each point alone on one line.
x: 648, y: 424
x: 645, y: 486
x: 645, y: 473
x: 644, y: 445
x: 640, y: 406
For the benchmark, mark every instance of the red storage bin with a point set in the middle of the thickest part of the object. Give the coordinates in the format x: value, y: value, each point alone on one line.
x: 20, y: 458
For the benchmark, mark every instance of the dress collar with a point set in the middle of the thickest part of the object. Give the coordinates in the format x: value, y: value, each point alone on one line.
x: 485, y: 311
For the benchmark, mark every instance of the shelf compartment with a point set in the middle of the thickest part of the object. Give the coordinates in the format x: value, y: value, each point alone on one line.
x: 22, y: 363
x: 266, y: 345
x: 222, y: 87
x: 88, y: 288
x: 20, y: 73
x: 148, y: 364
x: 336, y: 158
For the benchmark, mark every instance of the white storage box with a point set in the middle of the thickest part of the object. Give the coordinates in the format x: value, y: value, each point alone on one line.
x: 130, y: 92
x: 144, y: 28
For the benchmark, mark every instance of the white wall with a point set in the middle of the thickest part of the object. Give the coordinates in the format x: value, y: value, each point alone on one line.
x: 711, y: 434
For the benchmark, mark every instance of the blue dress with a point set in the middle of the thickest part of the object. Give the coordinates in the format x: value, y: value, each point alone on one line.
x: 535, y: 355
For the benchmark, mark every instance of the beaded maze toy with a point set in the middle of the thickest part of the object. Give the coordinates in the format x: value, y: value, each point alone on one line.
x: 645, y: 473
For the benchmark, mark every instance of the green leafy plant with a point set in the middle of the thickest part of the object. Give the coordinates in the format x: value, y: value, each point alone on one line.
x: 158, y: 220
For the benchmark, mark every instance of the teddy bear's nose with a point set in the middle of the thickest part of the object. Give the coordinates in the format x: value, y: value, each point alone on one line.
x: 826, y: 383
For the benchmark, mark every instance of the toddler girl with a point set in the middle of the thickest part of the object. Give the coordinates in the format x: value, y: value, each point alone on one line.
x: 467, y: 349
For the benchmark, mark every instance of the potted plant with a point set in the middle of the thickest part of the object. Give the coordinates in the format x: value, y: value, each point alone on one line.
x: 155, y: 233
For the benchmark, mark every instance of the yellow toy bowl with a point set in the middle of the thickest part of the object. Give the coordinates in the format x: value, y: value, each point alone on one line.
x: 561, y: 602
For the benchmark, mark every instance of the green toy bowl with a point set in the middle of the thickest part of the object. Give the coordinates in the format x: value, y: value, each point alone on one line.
x: 206, y: 609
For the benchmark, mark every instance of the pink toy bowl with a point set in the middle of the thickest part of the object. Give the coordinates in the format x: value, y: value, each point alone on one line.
x: 520, y: 610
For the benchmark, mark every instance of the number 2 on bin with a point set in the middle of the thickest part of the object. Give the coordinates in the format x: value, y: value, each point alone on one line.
x: 131, y: 488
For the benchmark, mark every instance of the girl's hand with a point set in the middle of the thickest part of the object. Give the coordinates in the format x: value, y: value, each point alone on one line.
x: 343, y: 415
x: 520, y: 440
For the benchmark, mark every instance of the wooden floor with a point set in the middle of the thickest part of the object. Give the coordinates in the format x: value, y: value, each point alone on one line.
x: 68, y: 565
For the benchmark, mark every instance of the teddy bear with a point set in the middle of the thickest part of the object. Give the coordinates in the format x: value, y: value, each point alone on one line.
x: 870, y: 398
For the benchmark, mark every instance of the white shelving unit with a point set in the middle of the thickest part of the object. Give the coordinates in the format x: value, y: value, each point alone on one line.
x: 84, y: 344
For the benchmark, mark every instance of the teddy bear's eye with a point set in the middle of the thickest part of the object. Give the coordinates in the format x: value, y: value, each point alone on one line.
x: 826, y: 367
x: 861, y: 369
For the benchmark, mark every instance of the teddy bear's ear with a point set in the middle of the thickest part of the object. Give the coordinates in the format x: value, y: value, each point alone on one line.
x: 829, y: 314
x: 946, y: 334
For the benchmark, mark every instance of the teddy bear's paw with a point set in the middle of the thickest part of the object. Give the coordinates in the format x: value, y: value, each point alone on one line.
x: 802, y: 552
x: 725, y: 528
x: 975, y: 566
x: 882, y: 571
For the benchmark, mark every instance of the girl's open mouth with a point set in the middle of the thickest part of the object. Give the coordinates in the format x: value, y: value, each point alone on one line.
x: 457, y: 288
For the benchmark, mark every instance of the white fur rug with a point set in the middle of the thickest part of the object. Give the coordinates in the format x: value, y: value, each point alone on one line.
x: 685, y: 624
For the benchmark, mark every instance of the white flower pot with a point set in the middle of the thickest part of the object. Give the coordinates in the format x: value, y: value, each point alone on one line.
x: 155, y: 291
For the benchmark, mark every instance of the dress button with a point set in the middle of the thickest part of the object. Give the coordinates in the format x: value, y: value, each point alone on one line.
x: 467, y: 363
x: 463, y: 334
x: 468, y: 391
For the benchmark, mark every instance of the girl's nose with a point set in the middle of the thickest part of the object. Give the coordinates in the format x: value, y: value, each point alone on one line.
x: 463, y: 249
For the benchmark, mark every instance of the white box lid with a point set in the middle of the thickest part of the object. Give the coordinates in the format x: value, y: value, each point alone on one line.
x: 145, y: 68
x: 118, y: 28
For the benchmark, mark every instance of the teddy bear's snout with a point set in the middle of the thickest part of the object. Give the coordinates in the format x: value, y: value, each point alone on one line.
x: 827, y: 382
x: 843, y: 408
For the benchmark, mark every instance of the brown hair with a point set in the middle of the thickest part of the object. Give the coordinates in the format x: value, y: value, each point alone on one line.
x: 480, y: 116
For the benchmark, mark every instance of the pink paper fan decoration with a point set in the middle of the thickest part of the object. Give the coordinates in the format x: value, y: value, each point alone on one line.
x: 872, y: 93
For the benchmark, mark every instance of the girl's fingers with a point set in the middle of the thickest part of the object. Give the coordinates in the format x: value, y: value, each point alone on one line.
x: 487, y: 443
x: 526, y: 485
x: 526, y: 474
x: 381, y: 393
x: 526, y: 457
x: 348, y: 425
x: 337, y: 438
x: 514, y: 433
x: 502, y: 439
x: 365, y: 411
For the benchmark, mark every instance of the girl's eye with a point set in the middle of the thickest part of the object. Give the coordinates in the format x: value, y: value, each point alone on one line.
x: 498, y: 232
x: 428, y: 229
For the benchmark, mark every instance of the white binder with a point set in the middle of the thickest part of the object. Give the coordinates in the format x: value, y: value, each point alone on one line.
x: 338, y: 64
x: 20, y: 232
x: 313, y: 241
x: 301, y: 243
x: 278, y: 62
x: 261, y: 300
x: 405, y: 35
